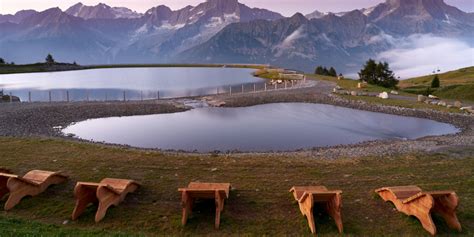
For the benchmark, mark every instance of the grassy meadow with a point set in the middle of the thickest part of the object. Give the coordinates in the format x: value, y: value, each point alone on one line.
x: 260, y: 203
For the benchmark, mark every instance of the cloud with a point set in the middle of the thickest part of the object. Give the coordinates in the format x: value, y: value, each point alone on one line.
x: 419, y: 55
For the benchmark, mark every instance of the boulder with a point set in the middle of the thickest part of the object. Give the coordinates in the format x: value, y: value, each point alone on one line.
x: 421, y: 98
x: 442, y: 103
x: 433, y: 97
x: 457, y: 104
x: 394, y: 92
x: 354, y: 93
x: 383, y: 95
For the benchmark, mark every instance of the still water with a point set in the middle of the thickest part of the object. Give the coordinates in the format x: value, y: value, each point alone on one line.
x: 110, y: 84
x: 270, y: 127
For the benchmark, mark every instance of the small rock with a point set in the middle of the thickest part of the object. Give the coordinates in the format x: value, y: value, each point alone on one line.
x: 213, y: 169
x: 449, y: 106
x: 394, y: 92
x: 65, y: 222
x: 457, y: 104
x: 354, y: 93
x: 383, y: 95
x: 421, y: 98
x: 442, y: 103
x: 433, y: 97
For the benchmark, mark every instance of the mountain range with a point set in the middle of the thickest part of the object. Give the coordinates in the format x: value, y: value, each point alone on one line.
x: 225, y: 31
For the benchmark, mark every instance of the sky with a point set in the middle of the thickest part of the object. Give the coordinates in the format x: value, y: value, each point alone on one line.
x: 285, y: 7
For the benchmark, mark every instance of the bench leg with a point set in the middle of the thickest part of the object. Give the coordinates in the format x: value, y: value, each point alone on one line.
x: 219, y: 208
x: 82, y: 202
x: 14, y: 198
x: 186, y: 203
x: 334, y: 210
x: 104, y: 204
x: 310, y: 216
x: 446, y: 207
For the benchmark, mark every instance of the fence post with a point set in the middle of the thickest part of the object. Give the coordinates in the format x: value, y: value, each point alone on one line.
x: 254, y: 87
x: 141, y: 95
x: 242, y: 88
x: 291, y: 83
x: 276, y: 84
x: 158, y: 95
x: 67, y: 96
x: 230, y: 90
x: 286, y: 85
x: 29, y: 96
x: 49, y: 92
x: 124, y: 96
x: 11, y: 97
x: 265, y: 86
x: 87, y: 96
x: 217, y: 90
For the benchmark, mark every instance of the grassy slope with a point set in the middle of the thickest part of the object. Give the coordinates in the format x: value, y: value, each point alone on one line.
x: 457, y: 85
x: 260, y: 203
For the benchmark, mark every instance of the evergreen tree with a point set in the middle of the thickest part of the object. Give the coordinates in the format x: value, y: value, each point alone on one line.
x: 2, y: 61
x: 378, y: 74
x: 435, y: 83
x: 325, y: 71
x: 332, y: 72
x: 319, y: 70
x: 49, y: 59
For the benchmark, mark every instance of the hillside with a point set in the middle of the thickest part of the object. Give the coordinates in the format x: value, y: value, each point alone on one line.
x: 456, y: 85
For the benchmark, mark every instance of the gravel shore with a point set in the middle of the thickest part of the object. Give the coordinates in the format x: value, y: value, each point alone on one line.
x: 46, y: 119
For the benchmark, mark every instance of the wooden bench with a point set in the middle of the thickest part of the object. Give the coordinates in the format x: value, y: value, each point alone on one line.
x: 107, y: 193
x: 412, y: 201
x: 217, y: 191
x: 308, y: 195
x: 32, y: 184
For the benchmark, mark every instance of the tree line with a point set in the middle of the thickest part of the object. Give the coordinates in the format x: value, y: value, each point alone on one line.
x: 320, y: 70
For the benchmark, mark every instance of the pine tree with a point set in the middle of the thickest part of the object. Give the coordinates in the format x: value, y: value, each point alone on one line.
x: 49, y: 59
x: 378, y: 74
x: 319, y: 70
x: 332, y: 72
x: 2, y: 61
x: 435, y: 83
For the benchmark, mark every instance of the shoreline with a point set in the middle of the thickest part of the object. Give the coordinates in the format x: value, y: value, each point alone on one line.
x: 42, y: 119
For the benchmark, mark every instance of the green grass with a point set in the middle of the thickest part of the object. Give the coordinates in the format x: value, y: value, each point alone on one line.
x: 259, y: 205
x: 455, y: 85
x: 457, y: 77
x: 351, y: 85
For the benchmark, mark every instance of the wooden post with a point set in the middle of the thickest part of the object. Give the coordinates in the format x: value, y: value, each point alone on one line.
x: 124, y: 96
x: 217, y: 90
x: 276, y: 84
x: 286, y: 85
x: 265, y: 86
x: 254, y: 87
x: 230, y: 90
x: 67, y: 96
x: 141, y: 95
x: 11, y: 97
x: 49, y: 92
x: 29, y: 96
x: 87, y: 96
x: 158, y: 95
x: 242, y: 88
x: 291, y: 83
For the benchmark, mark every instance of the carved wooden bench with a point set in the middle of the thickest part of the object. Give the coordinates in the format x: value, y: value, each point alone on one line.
x: 32, y: 184
x: 308, y: 195
x: 106, y: 193
x: 412, y: 201
x: 217, y: 191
